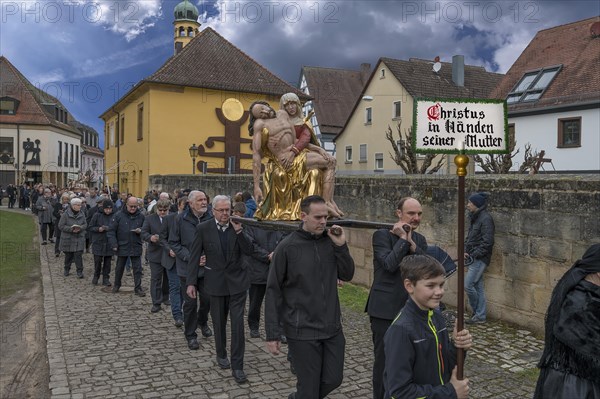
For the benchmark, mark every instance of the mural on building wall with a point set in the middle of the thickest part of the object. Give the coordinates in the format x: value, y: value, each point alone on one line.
x: 33, y: 148
x: 233, y: 116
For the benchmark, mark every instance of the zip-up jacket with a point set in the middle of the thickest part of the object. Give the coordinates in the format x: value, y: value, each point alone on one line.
x: 480, y: 237
x: 419, y: 356
x: 302, y: 287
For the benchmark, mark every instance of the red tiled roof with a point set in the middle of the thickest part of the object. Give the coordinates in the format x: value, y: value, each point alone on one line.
x: 36, y: 107
x: 335, y: 91
x: 86, y: 149
x: 571, y: 45
x: 419, y: 79
x: 210, y: 61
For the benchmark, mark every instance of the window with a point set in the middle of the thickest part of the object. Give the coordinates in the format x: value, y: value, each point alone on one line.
x: 382, y: 73
x: 140, y: 122
x: 363, y: 153
x: 8, y: 106
x: 379, y: 161
x: 122, y: 130
x: 66, y: 162
x: 569, y: 132
x: 396, y: 111
x: 368, y: 116
x: 348, y: 154
x: 76, y: 156
x: 111, y: 130
x: 532, y: 85
x: 6, y: 149
x: 71, y: 156
x: 60, y: 153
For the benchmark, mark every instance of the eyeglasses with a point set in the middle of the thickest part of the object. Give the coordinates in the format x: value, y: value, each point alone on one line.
x: 132, y: 206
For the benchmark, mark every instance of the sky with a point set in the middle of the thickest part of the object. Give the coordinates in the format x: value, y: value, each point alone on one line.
x: 88, y: 54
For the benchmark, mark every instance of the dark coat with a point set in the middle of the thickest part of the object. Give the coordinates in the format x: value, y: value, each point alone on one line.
x: 302, y: 290
x: 263, y: 243
x: 168, y: 225
x: 69, y: 240
x: 480, y: 237
x: 120, y: 236
x: 152, y: 225
x: 225, y: 273
x: 100, y: 243
x: 388, y: 295
x: 45, y: 208
x: 181, y: 238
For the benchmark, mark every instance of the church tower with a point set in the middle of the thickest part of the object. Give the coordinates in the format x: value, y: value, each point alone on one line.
x: 186, y: 24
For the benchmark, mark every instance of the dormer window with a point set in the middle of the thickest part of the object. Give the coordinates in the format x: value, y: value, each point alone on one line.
x: 532, y: 85
x: 8, y: 106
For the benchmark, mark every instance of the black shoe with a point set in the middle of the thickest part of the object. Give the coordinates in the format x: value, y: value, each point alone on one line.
x: 115, y: 289
x: 95, y: 280
x: 66, y: 273
x: 178, y: 323
x: 128, y: 273
x: 223, y: 363
x: 193, y: 344
x: 106, y: 282
x: 206, y: 331
x: 254, y: 333
x: 155, y: 308
x: 44, y: 242
x: 139, y: 292
x: 79, y: 274
x: 239, y: 376
x: 283, y: 339
x: 167, y: 303
x: 57, y: 254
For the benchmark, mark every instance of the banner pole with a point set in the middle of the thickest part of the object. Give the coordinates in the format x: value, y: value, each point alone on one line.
x: 461, y: 161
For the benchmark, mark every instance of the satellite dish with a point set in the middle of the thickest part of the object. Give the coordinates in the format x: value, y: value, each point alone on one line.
x: 437, y: 66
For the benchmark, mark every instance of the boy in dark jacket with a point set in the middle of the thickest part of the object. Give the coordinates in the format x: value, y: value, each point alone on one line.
x: 420, y: 360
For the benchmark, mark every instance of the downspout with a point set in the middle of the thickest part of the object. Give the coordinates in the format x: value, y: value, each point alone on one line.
x: 118, y: 144
x: 18, y: 169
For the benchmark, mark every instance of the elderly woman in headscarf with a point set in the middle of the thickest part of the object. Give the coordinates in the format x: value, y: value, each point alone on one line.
x: 570, y: 364
x: 73, y: 225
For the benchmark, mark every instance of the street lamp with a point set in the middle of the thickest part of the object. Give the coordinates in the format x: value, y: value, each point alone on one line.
x: 193, y: 154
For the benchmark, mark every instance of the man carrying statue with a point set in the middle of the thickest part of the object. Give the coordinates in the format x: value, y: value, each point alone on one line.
x: 297, y: 166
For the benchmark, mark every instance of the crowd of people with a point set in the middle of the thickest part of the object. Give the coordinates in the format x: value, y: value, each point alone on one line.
x: 203, y: 263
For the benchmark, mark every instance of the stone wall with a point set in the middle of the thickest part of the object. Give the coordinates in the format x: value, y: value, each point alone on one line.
x: 543, y: 224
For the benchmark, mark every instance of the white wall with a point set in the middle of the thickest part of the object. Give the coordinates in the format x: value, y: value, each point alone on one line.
x: 48, y: 144
x: 542, y: 132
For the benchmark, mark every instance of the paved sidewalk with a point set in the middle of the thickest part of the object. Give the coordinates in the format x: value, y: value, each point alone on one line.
x: 104, y: 345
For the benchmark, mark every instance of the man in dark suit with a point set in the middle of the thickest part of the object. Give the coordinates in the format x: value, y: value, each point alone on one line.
x: 388, y: 295
x: 226, y: 281
x: 169, y: 262
x: 181, y: 238
x: 154, y: 252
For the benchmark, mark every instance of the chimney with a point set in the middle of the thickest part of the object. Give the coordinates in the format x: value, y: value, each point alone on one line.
x: 458, y: 70
x: 365, y: 72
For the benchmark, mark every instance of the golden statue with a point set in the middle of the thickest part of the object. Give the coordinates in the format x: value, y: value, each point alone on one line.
x: 296, y: 165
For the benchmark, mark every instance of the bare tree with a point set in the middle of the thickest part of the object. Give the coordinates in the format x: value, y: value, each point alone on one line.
x: 502, y: 163
x: 405, y: 157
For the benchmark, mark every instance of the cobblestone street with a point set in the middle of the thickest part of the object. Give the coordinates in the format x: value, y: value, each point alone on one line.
x: 104, y: 345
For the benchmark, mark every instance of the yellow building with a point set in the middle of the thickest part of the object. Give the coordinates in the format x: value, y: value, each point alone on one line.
x: 199, y: 96
x: 388, y: 99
